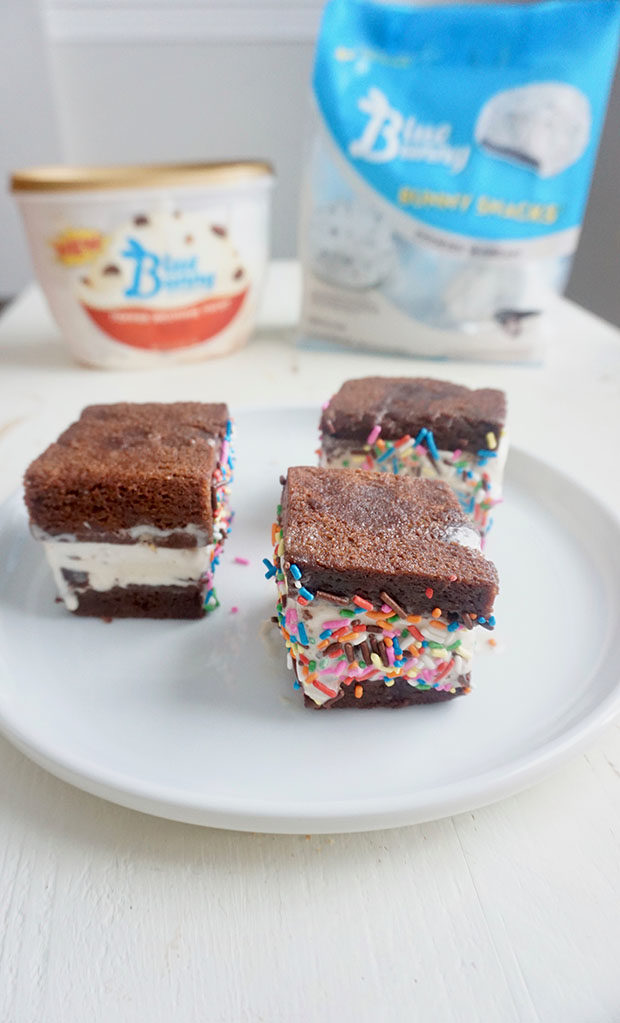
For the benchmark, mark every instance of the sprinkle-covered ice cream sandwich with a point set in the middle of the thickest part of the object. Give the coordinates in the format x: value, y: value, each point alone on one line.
x: 381, y: 585
x: 422, y: 427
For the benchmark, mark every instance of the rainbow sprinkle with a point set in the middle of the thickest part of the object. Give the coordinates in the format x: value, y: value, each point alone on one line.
x: 222, y: 518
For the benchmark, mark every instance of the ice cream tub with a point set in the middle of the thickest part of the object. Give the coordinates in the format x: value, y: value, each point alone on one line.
x: 149, y: 265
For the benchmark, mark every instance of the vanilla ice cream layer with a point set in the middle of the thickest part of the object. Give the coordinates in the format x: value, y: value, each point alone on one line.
x: 347, y: 454
x: 106, y: 565
x: 135, y: 534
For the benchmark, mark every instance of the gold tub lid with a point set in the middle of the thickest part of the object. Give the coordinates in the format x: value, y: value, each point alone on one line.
x: 69, y: 178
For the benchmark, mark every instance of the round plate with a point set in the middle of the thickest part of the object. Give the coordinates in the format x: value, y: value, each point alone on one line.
x: 198, y: 721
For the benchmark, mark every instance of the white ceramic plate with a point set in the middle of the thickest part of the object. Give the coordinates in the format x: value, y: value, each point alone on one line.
x: 198, y: 721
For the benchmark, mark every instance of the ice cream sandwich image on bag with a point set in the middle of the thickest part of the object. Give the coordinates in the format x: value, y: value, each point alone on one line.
x: 545, y: 126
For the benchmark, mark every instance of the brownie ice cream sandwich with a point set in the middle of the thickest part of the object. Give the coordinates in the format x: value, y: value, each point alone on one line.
x: 131, y: 504
x: 422, y: 427
x: 381, y: 587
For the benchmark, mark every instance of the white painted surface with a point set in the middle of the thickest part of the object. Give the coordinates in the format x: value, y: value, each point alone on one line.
x: 506, y: 914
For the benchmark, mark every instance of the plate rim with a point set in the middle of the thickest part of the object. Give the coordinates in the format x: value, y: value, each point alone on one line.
x: 338, y: 815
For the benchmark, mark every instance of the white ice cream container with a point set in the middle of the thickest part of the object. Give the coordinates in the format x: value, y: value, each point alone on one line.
x: 149, y: 265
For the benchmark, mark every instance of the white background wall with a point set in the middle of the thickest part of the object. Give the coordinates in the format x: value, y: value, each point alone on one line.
x: 28, y: 124
x: 140, y: 80
x: 189, y: 100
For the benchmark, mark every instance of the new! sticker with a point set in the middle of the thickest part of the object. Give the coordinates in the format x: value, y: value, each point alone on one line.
x: 78, y: 246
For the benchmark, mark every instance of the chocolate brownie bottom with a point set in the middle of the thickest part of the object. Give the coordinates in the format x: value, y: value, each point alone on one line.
x: 401, y: 694
x: 142, y: 602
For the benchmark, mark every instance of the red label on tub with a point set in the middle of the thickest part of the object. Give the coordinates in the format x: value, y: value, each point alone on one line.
x: 168, y: 329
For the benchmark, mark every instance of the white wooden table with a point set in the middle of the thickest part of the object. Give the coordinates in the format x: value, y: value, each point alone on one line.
x: 509, y: 913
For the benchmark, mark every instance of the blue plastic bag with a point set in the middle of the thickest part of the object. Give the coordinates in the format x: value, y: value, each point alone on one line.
x: 453, y: 151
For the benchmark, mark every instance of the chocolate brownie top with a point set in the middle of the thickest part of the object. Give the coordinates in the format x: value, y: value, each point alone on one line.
x: 458, y: 416
x: 355, y: 532
x: 125, y: 465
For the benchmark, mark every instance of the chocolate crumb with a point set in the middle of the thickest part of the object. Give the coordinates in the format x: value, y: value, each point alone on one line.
x: 111, y: 269
x: 75, y: 578
x: 86, y: 280
x: 220, y: 231
x: 282, y: 480
x: 141, y: 220
x: 238, y: 274
x: 189, y: 238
